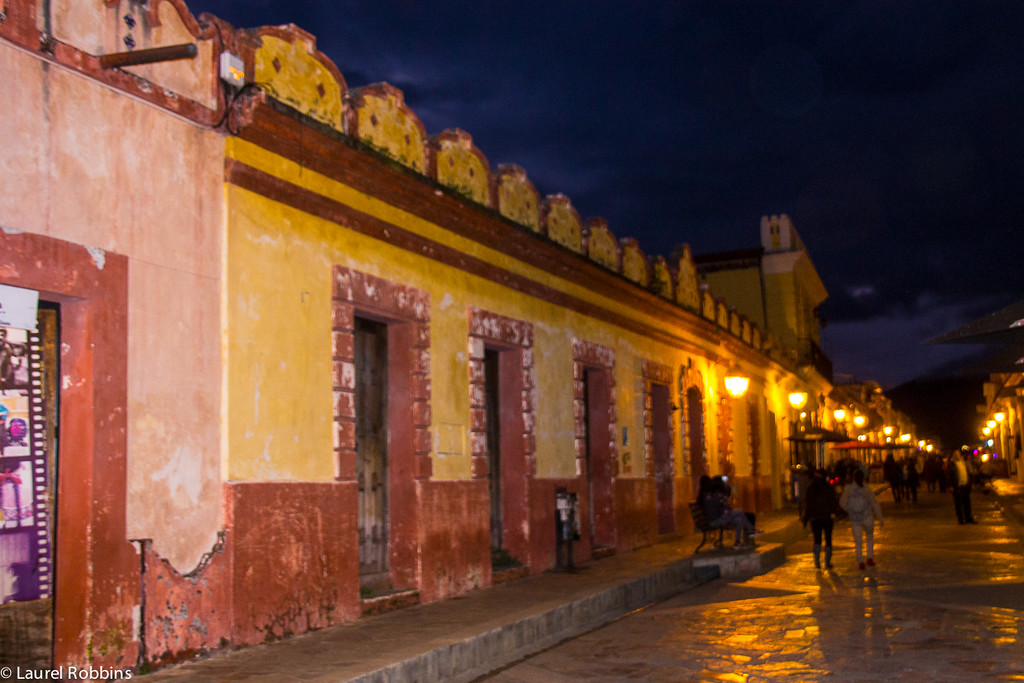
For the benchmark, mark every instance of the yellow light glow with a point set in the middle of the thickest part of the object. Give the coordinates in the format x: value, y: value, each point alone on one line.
x: 736, y: 385
x: 920, y: 444
x: 929, y: 448
x: 862, y: 438
x: 859, y: 420
x: 904, y: 437
x: 986, y: 431
x: 984, y: 457
x: 797, y: 399
x: 839, y: 414
x: 991, y: 424
x: 887, y: 430
x: 999, y: 417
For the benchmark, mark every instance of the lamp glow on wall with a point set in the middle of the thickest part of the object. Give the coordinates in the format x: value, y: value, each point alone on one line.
x: 736, y: 385
x: 798, y: 399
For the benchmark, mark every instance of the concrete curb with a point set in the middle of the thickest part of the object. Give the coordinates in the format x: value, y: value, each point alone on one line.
x: 492, y: 650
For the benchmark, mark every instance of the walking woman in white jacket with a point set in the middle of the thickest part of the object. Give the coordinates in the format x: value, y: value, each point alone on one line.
x: 863, y: 509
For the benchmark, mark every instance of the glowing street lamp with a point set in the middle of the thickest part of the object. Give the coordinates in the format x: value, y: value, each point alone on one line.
x: 798, y: 399
x: 839, y: 414
x: 999, y: 416
x: 991, y: 424
x: 736, y: 385
x: 859, y: 420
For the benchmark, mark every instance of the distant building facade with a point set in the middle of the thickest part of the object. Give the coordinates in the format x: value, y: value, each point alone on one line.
x: 308, y: 362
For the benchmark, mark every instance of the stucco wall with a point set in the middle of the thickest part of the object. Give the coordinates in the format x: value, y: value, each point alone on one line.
x: 114, y: 175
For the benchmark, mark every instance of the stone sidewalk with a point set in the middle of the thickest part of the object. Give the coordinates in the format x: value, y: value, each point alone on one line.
x: 944, y: 603
x: 463, y: 638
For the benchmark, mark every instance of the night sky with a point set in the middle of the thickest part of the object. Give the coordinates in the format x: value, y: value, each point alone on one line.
x: 892, y: 133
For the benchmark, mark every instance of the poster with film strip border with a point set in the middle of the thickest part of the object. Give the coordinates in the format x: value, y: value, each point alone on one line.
x: 25, y: 545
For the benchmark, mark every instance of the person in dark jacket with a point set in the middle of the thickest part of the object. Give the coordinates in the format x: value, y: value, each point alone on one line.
x: 714, y: 499
x: 894, y: 475
x: 822, y: 504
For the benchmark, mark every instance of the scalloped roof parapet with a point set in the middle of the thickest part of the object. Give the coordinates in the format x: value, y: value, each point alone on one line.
x: 634, y: 262
x: 562, y: 223
x: 735, y: 325
x: 288, y: 64
x: 707, y: 304
x: 455, y: 162
x: 661, y: 277
x: 687, y: 285
x: 285, y: 61
x: 515, y: 197
x: 600, y: 244
x: 378, y: 116
x: 721, y: 313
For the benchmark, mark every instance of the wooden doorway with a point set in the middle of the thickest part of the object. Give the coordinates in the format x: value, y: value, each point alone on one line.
x: 492, y: 408
x: 371, y: 410
x: 695, y: 436
x: 661, y: 451
x: 599, y: 463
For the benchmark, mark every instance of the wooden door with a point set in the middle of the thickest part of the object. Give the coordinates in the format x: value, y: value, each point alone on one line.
x: 596, y: 395
x: 492, y: 398
x: 661, y: 434
x: 371, y: 369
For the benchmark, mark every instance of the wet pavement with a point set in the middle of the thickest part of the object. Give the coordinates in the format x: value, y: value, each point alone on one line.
x: 945, y: 603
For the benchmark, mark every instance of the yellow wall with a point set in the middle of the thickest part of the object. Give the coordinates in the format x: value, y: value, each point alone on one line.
x: 278, y: 370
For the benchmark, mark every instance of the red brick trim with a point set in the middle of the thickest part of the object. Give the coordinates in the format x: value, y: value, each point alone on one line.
x: 492, y: 329
x: 590, y: 355
x: 653, y: 373
x: 356, y: 292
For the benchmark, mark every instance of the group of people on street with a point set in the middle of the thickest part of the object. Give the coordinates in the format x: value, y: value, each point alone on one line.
x: 822, y: 505
x: 903, y: 476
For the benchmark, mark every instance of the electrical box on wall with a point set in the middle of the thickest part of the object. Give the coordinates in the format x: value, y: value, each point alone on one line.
x: 232, y: 69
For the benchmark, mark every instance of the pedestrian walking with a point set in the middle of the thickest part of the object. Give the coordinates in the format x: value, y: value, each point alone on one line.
x: 822, y: 505
x: 960, y: 483
x: 894, y: 475
x: 863, y: 509
x: 912, y: 479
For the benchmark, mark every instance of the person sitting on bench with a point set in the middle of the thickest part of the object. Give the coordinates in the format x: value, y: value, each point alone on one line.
x: 713, y: 496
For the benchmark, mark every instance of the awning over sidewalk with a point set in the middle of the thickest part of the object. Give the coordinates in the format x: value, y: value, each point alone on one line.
x: 819, y: 434
x: 852, y: 445
x: 1003, y: 326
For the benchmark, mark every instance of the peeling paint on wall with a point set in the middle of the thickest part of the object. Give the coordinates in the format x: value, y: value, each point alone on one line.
x: 99, y: 257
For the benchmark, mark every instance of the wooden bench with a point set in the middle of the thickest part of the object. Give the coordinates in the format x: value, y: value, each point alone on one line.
x: 701, y: 523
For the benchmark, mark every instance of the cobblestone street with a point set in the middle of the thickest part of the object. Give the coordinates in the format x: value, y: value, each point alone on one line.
x: 945, y: 603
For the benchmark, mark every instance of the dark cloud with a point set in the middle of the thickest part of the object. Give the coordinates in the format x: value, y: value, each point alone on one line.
x: 891, y: 136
